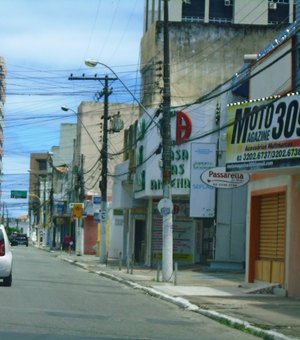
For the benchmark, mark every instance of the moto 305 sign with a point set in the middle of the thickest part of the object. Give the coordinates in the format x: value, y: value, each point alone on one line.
x: 264, y: 135
x: 219, y: 178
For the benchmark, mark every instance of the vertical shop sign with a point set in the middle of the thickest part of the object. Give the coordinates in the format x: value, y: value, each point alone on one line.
x: 202, y: 197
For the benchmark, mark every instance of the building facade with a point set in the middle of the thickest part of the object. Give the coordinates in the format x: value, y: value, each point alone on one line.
x: 37, y: 197
x: 264, y: 142
x: 88, y: 154
x: 208, y: 41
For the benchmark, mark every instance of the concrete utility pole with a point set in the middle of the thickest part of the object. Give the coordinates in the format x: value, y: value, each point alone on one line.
x: 103, y: 182
x: 167, y: 232
x: 296, y: 50
x: 51, y: 202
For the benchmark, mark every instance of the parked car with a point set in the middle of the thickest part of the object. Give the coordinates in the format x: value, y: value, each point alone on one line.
x: 18, y: 239
x: 6, y: 258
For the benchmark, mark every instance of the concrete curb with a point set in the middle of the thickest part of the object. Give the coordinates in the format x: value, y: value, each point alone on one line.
x: 185, y: 304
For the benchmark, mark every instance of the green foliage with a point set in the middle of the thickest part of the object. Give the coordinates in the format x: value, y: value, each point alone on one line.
x: 10, y: 230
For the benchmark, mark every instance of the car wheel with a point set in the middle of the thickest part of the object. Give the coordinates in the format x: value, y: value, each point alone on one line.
x: 7, y: 281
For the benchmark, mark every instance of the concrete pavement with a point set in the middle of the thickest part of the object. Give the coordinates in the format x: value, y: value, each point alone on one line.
x: 222, y: 296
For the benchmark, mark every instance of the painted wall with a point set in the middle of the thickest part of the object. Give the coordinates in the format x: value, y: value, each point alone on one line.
x: 90, y: 114
x: 277, y: 75
x: 294, y: 240
x: 202, y: 56
x: 90, y: 236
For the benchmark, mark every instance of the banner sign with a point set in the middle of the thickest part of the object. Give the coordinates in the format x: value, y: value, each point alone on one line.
x: 265, y: 134
x: 202, y: 196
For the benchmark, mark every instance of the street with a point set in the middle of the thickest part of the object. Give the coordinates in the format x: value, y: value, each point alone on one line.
x: 52, y: 299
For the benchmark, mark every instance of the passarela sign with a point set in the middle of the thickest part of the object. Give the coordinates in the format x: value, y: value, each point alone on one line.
x: 219, y: 178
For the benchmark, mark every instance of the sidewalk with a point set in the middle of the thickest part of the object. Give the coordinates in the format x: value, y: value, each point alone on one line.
x: 218, y: 295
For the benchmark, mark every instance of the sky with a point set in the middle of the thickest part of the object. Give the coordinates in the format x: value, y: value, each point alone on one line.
x: 43, y: 42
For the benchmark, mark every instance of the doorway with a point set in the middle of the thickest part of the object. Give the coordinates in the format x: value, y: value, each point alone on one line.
x: 140, y: 241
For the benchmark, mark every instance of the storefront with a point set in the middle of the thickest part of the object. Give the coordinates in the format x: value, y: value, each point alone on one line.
x: 265, y: 141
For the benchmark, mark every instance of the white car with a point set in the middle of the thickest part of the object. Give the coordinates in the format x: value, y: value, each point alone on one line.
x: 6, y: 259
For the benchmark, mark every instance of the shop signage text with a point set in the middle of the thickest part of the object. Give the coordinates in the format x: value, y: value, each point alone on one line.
x: 264, y: 135
x: 179, y: 159
x: 219, y: 178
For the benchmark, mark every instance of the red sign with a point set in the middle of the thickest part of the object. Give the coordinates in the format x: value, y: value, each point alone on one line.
x: 183, y: 127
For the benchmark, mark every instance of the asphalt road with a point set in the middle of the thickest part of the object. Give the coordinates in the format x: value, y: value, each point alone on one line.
x: 52, y: 299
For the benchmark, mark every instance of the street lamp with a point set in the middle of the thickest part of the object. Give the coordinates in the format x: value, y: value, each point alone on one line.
x: 94, y: 63
x: 65, y: 108
x: 103, y: 183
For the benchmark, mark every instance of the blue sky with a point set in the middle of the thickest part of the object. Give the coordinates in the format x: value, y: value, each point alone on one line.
x: 43, y: 42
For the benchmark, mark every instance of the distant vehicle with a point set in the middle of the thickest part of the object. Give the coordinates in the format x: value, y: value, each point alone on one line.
x: 18, y: 239
x: 6, y: 259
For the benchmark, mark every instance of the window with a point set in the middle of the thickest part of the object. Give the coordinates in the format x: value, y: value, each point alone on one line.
x: 42, y: 164
x: 193, y: 8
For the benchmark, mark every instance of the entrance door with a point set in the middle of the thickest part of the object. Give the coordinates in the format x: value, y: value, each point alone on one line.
x: 140, y: 241
x: 272, y: 230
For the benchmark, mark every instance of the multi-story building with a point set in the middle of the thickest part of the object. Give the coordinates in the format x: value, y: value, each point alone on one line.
x: 268, y: 149
x: 61, y: 178
x: 208, y: 41
x: 88, y: 156
x: 38, y: 195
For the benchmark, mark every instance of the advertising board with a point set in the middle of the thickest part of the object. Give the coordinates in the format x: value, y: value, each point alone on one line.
x: 264, y: 134
x: 202, y: 196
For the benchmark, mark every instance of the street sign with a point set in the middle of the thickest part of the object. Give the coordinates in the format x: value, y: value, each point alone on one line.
x: 77, y: 210
x: 97, y: 200
x: 18, y: 194
x: 165, y: 206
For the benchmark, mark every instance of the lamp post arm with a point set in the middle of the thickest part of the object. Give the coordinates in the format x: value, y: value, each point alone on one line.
x: 93, y: 63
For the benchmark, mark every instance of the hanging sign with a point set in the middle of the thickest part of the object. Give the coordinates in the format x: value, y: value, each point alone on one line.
x: 165, y: 206
x: 219, y: 178
x: 77, y: 210
x: 202, y: 196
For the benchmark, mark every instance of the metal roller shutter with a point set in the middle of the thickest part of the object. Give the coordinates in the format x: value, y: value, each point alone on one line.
x: 272, y: 227
x: 271, y: 252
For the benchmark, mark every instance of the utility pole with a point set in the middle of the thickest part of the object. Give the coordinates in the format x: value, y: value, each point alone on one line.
x: 103, y: 182
x: 296, y: 50
x: 167, y: 234
x: 44, y: 213
x: 51, y: 203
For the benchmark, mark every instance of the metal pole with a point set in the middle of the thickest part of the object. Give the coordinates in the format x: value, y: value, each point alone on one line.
x: 44, y: 214
x: 120, y: 260
x: 175, y: 273
x: 52, y: 238
x: 167, y: 247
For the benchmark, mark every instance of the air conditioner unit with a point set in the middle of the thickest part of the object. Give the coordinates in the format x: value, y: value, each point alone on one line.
x: 227, y: 2
x: 272, y: 5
